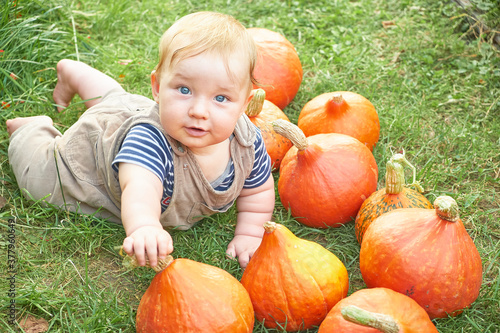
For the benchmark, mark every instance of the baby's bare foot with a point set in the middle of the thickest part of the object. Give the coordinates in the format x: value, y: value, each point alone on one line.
x: 14, y: 124
x: 63, y: 92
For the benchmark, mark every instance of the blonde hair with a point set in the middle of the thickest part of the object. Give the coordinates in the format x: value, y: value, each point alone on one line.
x: 202, y: 32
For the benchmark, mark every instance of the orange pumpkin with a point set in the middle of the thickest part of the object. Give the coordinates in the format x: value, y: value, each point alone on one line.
x: 188, y: 296
x: 278, y: 67
x: 325, y: 178
x: 377, y: 310
x: 342, y: 112
x: 261, y: 112
x: 426, y: 254
x: 293, y: 282
x: 395, y: 195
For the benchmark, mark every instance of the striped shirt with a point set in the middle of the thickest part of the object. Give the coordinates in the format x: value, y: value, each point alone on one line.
x: 147, y: 147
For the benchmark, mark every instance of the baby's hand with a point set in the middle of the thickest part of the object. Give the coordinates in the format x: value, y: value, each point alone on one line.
x: 243, y: 247
x: 152, y: 241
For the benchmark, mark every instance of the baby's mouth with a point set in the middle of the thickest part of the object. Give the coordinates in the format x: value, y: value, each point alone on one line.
x: 196, y: 131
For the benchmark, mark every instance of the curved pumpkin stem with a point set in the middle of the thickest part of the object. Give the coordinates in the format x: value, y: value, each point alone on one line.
x: 130, y: 262
x: 394, y: 176
x: 381, y: 322
x: 447, y: 208
x: 290, y: 131
x: 256, y: 103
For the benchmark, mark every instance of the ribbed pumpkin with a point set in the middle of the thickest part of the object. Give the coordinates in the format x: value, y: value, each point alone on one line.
x: 394, y: 195
x: 325, y: 178
x: 426, y: 254
x: 377, y: 310
x: 278, y: 67
x: 342, y: 112
x: 189, y: 296
x: 293, y: 282
x: 261, y: 112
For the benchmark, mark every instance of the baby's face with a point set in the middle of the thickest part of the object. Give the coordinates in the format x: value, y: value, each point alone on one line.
x: 200, y: 102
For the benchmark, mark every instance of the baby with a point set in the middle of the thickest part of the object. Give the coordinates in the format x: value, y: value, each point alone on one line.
x: 167, y: 162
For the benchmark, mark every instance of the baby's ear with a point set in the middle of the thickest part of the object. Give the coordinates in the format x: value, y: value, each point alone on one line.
x: 155, y: 86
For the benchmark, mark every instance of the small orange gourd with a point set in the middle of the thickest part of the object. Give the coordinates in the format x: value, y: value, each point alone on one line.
x: 189, y: 296
x: 261, y: 112
x: 278, y: 69
x: 342, y: 112
x: 324, y: 178
x: 395, y: 195
x: 426, y: 254
x: 377, y: 310
x: 293, y: 282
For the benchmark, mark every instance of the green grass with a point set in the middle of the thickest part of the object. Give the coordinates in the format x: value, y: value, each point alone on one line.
x: 437, y: 92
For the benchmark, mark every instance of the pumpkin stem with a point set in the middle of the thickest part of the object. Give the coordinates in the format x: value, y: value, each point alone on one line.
x: 269, y: 226
x: 447, y: 208
x: 394, y: 176
x: 381, y: 322
x: 336, y: 103
x: 290, y: 131
x: 130, y: 262
x: 255, y: 105
x: 337, y: 98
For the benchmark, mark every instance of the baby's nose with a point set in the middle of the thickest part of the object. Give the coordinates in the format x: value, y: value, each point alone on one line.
x: 199, y: 109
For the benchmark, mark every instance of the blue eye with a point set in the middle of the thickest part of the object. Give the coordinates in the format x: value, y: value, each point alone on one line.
x: 184, y: 90
x: 220, y: 98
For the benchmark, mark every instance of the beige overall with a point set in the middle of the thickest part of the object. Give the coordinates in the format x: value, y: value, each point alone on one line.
x: 74, y: 170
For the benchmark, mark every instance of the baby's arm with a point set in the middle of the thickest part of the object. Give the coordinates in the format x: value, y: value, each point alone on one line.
x: 255, y: 207
x: 141, y: 210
